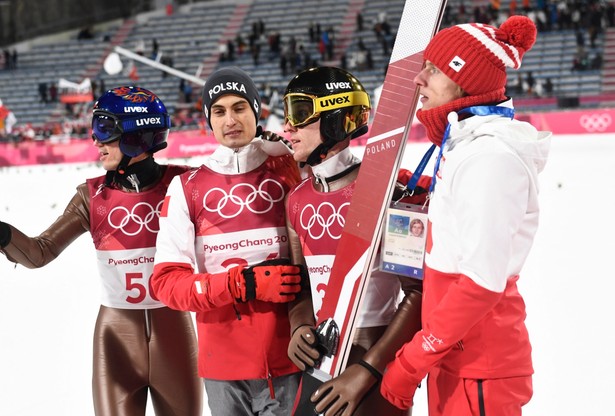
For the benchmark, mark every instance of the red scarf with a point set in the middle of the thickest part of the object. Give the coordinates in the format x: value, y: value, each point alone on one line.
x: 435, y: 119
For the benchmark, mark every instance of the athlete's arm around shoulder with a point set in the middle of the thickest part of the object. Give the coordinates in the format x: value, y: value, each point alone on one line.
x: 34, y: 252
x: 174, y: 280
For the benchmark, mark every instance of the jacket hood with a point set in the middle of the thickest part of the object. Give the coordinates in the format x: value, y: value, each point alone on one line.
x: 235, y: 161
x: 245, y: 159
x: 531, y: 145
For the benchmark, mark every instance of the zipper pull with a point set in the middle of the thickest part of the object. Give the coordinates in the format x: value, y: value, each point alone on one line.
x: 237, y: 314
x: 270, y: 384
x: 134, y: 181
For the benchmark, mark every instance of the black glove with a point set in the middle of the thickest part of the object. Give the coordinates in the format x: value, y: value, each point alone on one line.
x: 272, y: 137
x: 5, y: 234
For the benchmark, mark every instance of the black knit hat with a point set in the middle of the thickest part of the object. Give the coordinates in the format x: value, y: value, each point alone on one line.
x: 230, y: 80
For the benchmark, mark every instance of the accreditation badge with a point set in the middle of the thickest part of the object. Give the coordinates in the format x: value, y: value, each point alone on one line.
x: 403, y: 241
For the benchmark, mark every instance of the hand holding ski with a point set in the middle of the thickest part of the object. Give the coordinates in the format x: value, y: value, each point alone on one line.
x: 342, y: 395
x: 302, y: 347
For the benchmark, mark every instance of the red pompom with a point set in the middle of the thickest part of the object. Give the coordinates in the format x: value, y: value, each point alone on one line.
x: 518, y: 31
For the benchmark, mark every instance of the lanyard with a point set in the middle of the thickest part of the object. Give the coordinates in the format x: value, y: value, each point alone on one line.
x: 479, y: 110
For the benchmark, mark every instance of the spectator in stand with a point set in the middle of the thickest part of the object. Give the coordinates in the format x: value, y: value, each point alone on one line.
x: 14, y: 59
x: 530, y: 82
x: 101, y: 88
x: 580, y: 39
x: 610, y: 14
x: 7, y: 121
x: 311, y: 32
x: 230, y: 50
x: 85, y: 33
x: 512, y: 7
x: 548, y: 87
x: 580, y: 62
x: 140, y: 47
x: 188, y: 92
x: 515, y: 87
x: 168, y: 61
x: 7, y: 58
x: 575, y: 16
x: 42, y: 92
x: 284, y: 61
x: 240, y: 43
x: 256, y: 51
x: 155, y: 48
x: 594, y: 23
x: 53, y: 92
x: 596, y: 62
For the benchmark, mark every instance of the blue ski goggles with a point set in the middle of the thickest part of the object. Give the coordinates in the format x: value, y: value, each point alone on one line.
x: 138, y: 134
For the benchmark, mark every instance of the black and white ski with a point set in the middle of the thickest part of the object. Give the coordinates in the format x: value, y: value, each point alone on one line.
x: 360, y: 238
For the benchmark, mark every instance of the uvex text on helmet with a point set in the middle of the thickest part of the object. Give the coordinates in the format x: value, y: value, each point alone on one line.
x: 134, y: 116
x: 332, y: 95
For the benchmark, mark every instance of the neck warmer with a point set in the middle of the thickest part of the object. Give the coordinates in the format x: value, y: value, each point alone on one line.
x: 335, y: 164
x: 335, y: 167
x: 435, y: 119
x: 138, y: 175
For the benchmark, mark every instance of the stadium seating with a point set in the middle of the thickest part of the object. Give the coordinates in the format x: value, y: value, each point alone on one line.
x: 192, y: 37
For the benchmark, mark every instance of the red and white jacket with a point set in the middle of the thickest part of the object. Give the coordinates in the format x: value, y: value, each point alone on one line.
x: 483, y: 217
x: 227, y: 213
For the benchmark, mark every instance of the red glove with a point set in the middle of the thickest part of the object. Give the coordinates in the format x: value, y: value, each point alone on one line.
x: 418, y: 196
x: 270, y: 281
x: 398, y: 383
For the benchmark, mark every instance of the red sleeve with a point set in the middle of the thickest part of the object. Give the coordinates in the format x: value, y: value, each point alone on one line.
x: 463, y: 306
x: 177, y: 286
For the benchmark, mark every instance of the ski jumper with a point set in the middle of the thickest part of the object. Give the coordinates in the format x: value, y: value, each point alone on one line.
x: 229, y: 212
x: 140, y: 345
x: 318, y: 217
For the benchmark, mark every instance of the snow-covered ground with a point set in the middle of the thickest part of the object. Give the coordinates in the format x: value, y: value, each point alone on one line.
x: 47, y: 316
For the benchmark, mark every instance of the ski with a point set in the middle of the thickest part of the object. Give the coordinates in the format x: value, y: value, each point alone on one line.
x: 362, y: 231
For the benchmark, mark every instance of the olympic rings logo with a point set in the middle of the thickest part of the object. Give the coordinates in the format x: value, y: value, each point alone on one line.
x: 326, y: 216
x: 596, y: 122
x: 149, y: 220
x: 244, y: 195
